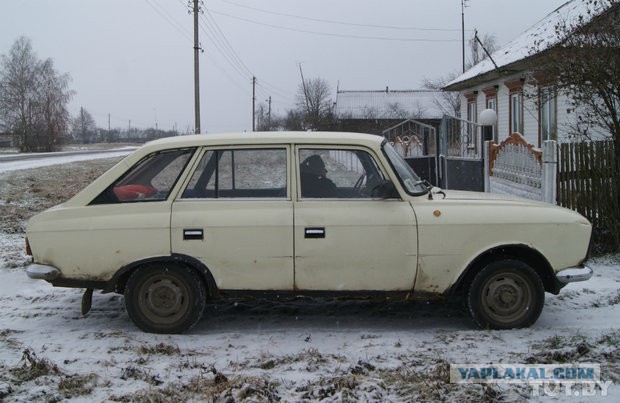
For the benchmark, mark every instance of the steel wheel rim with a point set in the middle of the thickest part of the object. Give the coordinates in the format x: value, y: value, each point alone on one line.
x: 163, y: 299
x: 506, y: 297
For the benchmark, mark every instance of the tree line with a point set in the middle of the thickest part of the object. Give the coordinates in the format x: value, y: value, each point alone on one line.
x: 33, y: 98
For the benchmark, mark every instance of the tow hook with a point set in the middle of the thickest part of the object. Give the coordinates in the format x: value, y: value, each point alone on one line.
x: 87, y: 300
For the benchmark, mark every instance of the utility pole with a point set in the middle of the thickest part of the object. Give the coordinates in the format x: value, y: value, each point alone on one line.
x: 109, y: 131
x: 83, y: 125
x: 196, y: 10
x: 303, y: 83
x: 253, y: 104
x: 463, y: 32
x: 269, y: 114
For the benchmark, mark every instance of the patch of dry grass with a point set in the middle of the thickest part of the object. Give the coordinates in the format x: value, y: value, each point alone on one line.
x: 24, y: 193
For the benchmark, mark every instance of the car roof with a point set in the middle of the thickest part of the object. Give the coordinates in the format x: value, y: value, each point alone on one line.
x: 262, y: 138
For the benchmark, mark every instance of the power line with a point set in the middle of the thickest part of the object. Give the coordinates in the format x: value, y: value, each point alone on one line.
x: 227, y: 58
x: 166, y: 16
x: 270, y: 90
x: 218, y: 38
x: 352, y: 24
x: 337, y: 35
x: 235, y: 82
x: 226, y: 73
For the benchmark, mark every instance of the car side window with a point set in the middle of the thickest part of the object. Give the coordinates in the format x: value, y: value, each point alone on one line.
x: 151, y: 179
x: 338, y: 173
x: 240, y: 173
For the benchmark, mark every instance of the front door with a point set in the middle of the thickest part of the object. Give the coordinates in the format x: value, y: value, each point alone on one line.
x: 346, y: 240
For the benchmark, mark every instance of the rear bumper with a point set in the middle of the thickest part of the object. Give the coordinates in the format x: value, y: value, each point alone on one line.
x: 52, y: 275
x: 42, y: 272
x: 573, y: 274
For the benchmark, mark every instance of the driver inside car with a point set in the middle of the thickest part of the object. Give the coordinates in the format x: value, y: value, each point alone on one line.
x: 314, y: 182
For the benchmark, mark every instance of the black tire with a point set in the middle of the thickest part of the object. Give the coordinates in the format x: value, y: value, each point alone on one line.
x: 506, y: 294
x: 165, y: 298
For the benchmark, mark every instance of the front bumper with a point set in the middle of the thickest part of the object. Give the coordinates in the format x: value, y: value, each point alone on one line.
x: 42, y: 272
x: 573, y: 274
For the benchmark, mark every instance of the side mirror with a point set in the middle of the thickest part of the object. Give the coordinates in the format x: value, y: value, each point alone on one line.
x: 385, y: 190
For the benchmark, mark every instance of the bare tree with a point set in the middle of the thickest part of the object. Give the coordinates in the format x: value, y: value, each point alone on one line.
x: 33, y: 98
x: 448, y: 102
x: 294, y: 120
x: 261, y: 118
x: 585, y: 67
x: 314, y: 101
x: 18, y: 73
x: 396, y: 111
x: 84, y: 127
x: 478, y: 51
x: 54, y: 95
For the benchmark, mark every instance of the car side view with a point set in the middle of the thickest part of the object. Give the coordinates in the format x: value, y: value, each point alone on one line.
x: 185, y: 220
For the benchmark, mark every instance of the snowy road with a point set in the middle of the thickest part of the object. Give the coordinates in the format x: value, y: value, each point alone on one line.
x: 13, y: 162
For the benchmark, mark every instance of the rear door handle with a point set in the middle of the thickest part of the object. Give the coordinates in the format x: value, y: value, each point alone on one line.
x: 315, y: 232
x: 193, y: 234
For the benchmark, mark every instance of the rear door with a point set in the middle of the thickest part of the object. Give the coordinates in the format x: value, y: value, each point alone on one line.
x: 236, y: 216
x: 346, y: 240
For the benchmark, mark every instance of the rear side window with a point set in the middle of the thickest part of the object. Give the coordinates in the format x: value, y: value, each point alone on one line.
x: 240, y: 173
x: 151, y: 179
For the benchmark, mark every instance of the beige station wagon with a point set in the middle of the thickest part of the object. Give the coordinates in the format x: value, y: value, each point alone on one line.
x: 185, y: 220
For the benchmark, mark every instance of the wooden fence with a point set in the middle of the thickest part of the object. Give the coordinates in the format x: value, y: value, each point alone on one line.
x: 587, y: 182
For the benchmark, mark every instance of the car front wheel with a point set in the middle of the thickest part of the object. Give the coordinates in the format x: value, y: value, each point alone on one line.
x: 506, y: 294
x: 165, y: 298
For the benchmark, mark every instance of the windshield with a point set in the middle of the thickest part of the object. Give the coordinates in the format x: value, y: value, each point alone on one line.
x: 408, y: 178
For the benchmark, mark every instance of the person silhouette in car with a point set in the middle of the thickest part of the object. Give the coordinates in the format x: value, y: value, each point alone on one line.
x: 314, y: 182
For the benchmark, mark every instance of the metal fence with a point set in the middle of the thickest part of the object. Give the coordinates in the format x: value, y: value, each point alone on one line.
x: 460, y: 138
x: 460, y: 155
x: 412, y: 138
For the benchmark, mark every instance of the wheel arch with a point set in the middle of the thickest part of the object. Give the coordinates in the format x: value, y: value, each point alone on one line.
x: 521, y: 252
x: 119, y: 280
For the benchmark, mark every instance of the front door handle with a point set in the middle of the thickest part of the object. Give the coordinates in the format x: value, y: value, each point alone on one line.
x: 193, y: 234
x: 314, y: 232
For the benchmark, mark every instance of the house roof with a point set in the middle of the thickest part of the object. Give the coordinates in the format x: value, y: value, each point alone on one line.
x: 384, y: 104
x: 535, y: 40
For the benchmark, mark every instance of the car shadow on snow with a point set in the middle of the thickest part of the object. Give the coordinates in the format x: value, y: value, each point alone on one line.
x: 330, y: 314
x: 260, y: 314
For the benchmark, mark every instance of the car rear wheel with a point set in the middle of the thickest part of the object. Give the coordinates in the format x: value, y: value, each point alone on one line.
x: 506, y: 294
x: 165, y: 298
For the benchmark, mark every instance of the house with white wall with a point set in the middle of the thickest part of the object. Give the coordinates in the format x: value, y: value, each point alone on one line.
x: 512, y: 81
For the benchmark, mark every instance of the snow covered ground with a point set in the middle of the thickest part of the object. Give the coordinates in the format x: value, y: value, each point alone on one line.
x: 12, y: 162
x: 303, y: 349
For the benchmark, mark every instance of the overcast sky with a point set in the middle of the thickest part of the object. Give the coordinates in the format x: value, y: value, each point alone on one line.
x: 133, y: 59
